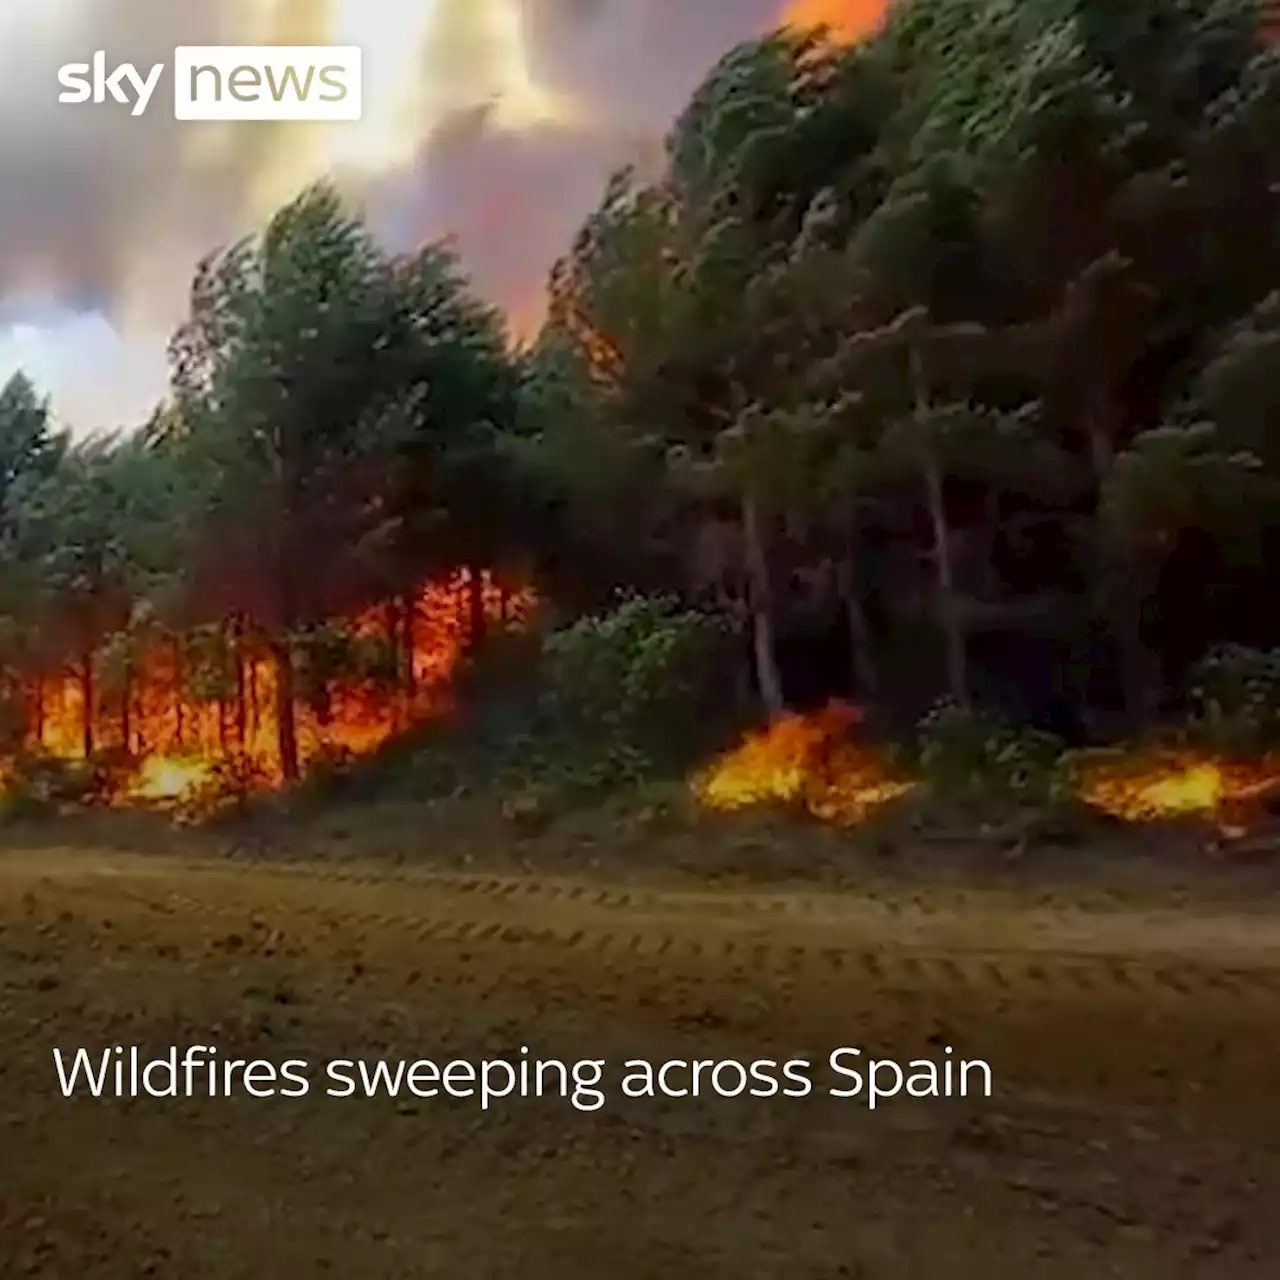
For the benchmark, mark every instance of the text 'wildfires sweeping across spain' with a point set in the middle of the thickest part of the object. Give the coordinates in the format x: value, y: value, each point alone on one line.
x: 201, y: 1071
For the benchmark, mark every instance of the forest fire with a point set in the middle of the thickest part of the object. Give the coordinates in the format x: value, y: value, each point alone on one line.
x: 180, y: 707
x: 804, y: 760
x: 845, y: 19
x: 166, y: 778
x: 811, y: 762
x: 1160, y: 787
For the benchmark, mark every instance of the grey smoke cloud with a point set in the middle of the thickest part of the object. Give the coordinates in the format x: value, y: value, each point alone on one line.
x: 99, y: 208
x: 513, y: 199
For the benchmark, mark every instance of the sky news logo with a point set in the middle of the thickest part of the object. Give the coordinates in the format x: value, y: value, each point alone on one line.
x: 229, y: 82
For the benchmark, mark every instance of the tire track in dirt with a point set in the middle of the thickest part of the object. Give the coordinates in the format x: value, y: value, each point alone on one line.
x: 1073, y: 1007
x: 1043, y: 953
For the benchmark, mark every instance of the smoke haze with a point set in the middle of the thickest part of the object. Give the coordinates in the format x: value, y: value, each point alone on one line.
x: 492, y: 121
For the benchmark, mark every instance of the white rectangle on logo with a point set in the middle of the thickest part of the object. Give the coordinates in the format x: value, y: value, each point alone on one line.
x: 267, y: 82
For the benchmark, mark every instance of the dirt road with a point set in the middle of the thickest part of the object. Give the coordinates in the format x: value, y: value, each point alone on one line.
x: 1132, y: 1129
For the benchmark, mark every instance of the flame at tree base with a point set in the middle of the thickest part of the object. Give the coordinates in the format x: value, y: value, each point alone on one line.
x: 169, y: 779
x: 806, y: 761
x: 161, y: 738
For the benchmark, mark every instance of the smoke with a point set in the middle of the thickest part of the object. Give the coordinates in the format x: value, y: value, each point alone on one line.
x: 511, y: 196
x: 847, y: 19
x: 100, y: 208
x: 494, y: 122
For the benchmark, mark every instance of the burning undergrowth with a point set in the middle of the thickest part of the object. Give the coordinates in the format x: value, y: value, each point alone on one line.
x: 814, y: 762
x: 1162, y: 785
x: 187, y: 722
x: 806, y: 761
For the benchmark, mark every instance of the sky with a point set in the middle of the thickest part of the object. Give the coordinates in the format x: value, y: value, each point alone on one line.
x: 494, y: 122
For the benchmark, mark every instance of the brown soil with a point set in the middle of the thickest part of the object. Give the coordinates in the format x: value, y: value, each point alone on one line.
x: 1134, y: 1043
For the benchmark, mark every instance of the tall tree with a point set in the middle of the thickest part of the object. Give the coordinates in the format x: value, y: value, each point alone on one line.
x: 311, y: 363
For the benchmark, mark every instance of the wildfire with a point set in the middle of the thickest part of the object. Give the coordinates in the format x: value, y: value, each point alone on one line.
x: 812, y: 762
x: 176, y: 735
x: 165, y: 778
x: 1163, y: 786
x: 847, y: 20
x: 806, y: 760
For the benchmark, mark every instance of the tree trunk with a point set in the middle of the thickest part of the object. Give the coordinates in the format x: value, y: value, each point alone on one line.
x: 410, y: 650
x: 179, y: 690
x: 744, y: 665
x: 286, y: 724
x: 1100, y: 430
x: 255, y: 710
x: 87, y: 693
x: 862, y: 659
x: 242, y: 688
x: 392, y: 619
x: 760, y: 588
x: 477, y: 618
x: 991, y: 541
x: 953, y: 635
x: 948, y: 606
x: 865, y: 676
x: 1137, y: 679
x: 126, y: 710
x: 286, y: 605
x: 1123, y: 611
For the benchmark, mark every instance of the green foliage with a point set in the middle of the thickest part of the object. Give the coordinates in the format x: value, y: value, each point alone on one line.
x: 974, y: 760
x: 1236, y: 699
x: 631, y: 683
x: 605, y: 703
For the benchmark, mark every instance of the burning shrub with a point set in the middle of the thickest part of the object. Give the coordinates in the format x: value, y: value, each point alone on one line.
x: 330, y: 655
x: 1148, y: 785
x: 808, y: 762
x: 1169, y: 783
x: 221, y: 788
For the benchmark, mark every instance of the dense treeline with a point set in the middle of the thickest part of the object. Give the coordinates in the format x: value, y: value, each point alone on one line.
x: 955, y: 347
x: 963, y: 333
x: 317, y: 459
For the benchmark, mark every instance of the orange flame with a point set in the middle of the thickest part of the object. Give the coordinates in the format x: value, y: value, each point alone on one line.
x: 847, y: 20
x: 165, y: 778
x: 803, y: 760
x: 175, y: 738
x: 1164, y: 786
x: 810, y: 762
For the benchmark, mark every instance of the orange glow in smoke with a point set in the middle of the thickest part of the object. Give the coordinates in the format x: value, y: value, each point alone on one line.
x: 847, y: 19
x: 809, y: 761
